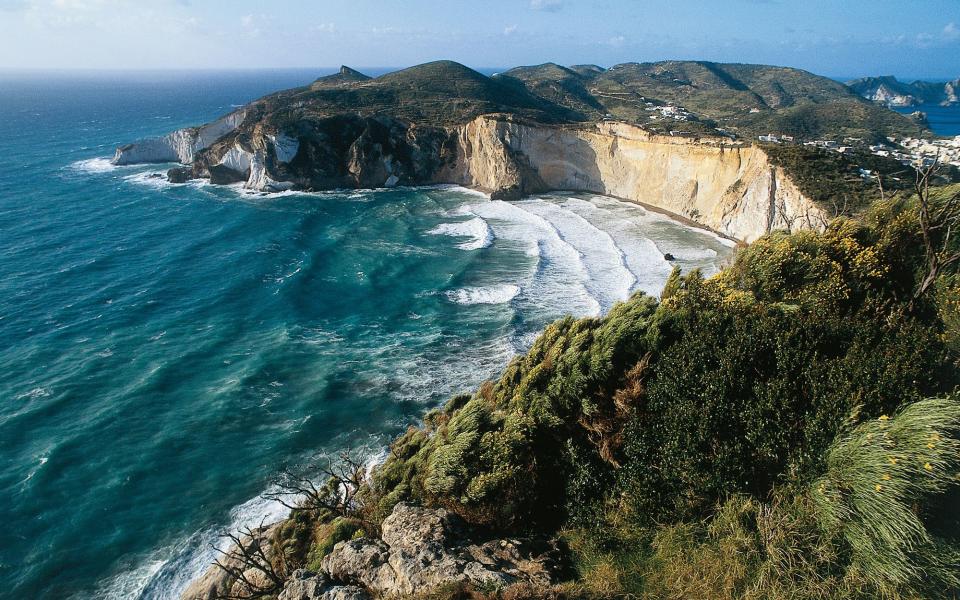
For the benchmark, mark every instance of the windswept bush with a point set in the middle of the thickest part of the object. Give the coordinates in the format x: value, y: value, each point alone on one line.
x: 659, y: 411
x: 859, y: 531
x: 879, y: 488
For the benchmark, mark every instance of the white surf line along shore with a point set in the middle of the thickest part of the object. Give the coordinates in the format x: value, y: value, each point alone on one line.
x: 589, y: 254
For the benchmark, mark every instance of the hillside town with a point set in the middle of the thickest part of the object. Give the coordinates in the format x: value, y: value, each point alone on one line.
x: 917, y: 152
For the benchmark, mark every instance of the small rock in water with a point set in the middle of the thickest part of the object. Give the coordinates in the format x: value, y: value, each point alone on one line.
x: 668, y: 256
x: 179, y: 175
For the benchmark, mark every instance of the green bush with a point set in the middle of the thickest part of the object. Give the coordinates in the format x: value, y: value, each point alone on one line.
x: 660, y: 411
x: 328, y: 535
x: 877, y: 490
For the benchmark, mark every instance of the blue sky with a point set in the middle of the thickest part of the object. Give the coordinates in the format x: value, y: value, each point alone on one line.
x: 908, y: 38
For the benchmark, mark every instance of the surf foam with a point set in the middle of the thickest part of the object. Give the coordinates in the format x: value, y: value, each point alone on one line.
x: 495, y: 294
x: 476, y: 229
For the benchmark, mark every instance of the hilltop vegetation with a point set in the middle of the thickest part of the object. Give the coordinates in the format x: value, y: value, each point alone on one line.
x: 743, y: 99
x: 784, y: 429
x: 436, y: 93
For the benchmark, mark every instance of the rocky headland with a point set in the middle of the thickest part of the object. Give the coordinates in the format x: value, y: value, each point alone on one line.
x: 890, y: 91
x: 514, y: 134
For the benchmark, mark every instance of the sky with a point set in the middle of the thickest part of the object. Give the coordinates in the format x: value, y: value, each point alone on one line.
x: 837, y: 38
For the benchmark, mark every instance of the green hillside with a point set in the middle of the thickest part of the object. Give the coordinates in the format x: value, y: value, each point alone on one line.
x: 786, y: 429
x: 744, y: 99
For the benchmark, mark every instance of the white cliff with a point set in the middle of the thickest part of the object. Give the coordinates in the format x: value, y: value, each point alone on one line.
x: 733, y: 189
x: 253, y: 163
x: 885, y: 95
x: 181, y: 145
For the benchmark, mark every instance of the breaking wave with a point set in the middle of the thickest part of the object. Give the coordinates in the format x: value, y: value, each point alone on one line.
x: 476, y: 230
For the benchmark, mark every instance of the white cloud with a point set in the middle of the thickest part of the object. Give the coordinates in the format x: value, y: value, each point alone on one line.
x: 251, y: 24
x: 951, y: 31
x: 325, y: 27
x: 616, y: 41
x: 547, y: 5
x: 509, y: 29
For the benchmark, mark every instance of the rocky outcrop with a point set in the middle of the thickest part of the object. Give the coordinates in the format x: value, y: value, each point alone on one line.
x: 306, y: 585
x: 419, y: 550
x: 887, y: 90
x: 884, y: 95
x: 422, y: 549
x: 181, y: 145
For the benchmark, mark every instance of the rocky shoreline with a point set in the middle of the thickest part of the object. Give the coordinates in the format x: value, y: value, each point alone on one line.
x: 727, y: 187
x: 419, y: 550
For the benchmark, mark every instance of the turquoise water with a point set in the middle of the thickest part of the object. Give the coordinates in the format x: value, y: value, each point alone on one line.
x: 164, y: 349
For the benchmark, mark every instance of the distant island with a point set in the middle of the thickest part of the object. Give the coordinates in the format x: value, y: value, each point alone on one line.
x: 889, y: 91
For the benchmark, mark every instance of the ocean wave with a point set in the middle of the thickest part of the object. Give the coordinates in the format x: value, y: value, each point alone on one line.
x: 479, y: 232
x: 494, y: 294
x: 608, y: 277
x: 151, y: 179
x: 166, y: 573
x: 94, y: 165
x: 694, y: 254
x: 557, y: 282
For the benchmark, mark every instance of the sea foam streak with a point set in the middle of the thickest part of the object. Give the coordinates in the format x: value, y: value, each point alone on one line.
x: 495, y: 294
x: 167, y: 573
x: 608, y: 278
x: 94, y: 165
x: 479, y: 232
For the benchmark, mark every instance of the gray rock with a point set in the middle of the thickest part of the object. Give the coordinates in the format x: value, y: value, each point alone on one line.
x: 423, y: 549
x: 180, y: 174
x: 306, y: 585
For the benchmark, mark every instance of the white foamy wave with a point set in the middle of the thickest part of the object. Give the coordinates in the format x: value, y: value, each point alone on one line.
x: 626, y: 224
x: 694, y: 254
x: 479, y: 232
x: 608, y: 278
x: 494, y: 294
x: 94, y: 165
x: 166, y: 573
x: 150, y: 179
x: 556, y: 281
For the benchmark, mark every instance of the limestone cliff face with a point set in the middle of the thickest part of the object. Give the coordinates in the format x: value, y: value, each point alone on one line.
x: 181, y: 145
x: 730, y: 188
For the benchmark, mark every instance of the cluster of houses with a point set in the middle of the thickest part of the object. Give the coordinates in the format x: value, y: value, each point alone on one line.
x: 668, y: 111
x: 921, y: 152
x: 908, y: 151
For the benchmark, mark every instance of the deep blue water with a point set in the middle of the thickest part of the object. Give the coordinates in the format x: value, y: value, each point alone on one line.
x: 164, y: 350
x: 944, y: 120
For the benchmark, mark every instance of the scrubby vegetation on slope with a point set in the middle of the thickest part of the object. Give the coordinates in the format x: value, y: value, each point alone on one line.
x: 784, y: 429
x: 745, y: 99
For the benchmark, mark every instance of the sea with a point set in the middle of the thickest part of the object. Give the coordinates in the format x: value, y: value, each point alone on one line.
x: 165, y: 350
x: 943, y: 120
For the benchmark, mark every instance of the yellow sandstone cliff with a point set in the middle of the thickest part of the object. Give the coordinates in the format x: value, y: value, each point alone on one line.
x: 731, y: 188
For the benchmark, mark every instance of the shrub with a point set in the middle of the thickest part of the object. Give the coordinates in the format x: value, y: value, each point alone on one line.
x: 658, y: 412
x: 877, y: 490
x: 328, y: 535
x: 756, y: 370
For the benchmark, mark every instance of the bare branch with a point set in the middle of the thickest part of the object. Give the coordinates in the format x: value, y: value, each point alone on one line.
x: 932, y: 220
x: 342, y: 480
x: 246, y: 563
